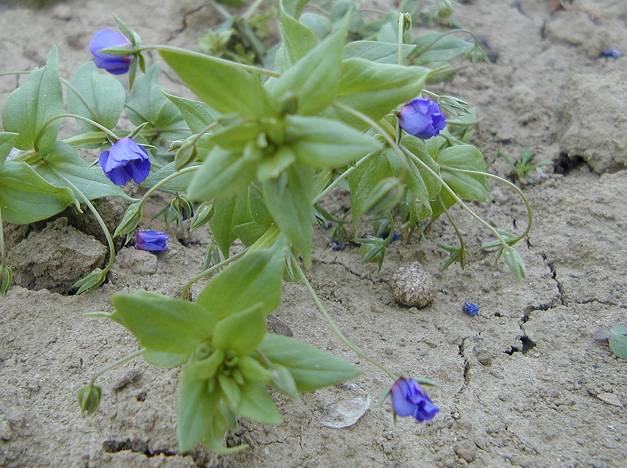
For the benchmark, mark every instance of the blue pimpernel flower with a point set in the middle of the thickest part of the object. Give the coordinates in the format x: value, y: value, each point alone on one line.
x: 422, y: 118
x: 152, y: 241
x: 125, y: 160
x: 470, y: 308
x: 408, y: 399
x: 115, y: 64
x: 396, y: 236
x: 611, y: 53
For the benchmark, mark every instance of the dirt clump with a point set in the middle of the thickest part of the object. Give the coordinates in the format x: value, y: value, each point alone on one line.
x: 55, y: 257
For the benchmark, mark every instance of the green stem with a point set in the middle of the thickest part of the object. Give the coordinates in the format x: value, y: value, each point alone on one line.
x: 399, y: 35
x: 342, y: 176
x: 249, y: 68
x: 116, y: 364
x: 455, y: 228
x: 522, y: 195
x: 16, y: 72
x: 456, y: 197
x: 165, y: 180
x: 2, y: 247
x: 74, y: 116
x: 203, y: 131
x: 99, y: 219
x: 188, y: 286
x: 335, y: 327
x: 251, y: 10
x: 221, y: 10
x: 71, y: 87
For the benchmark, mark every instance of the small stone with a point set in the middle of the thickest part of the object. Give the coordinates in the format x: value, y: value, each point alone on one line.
x: 131, y: 376
x: 5, y: 429
x: 466, y: 450
x: 610, y: 399
x: 139, y: 262
x: 413, y: 286
x: 278, y: 326
x: 389, y: 351
x: 62, y: 12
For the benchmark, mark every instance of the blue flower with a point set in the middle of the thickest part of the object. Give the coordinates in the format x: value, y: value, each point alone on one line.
x: 152, y: 241
x: 408, y: 399
x: 470, y: 308
x: 125, y: 160
x: 103, y: 39
x: 422, y: 118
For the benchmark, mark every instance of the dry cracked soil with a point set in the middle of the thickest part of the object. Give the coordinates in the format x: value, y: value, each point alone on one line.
x: 522, y: 384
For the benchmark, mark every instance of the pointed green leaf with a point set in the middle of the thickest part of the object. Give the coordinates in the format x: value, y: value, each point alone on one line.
x: 297, y: 37
x: 363, y: 180
x: 257, y: 405
x: 198, y: 115
x: 164, y: 360
x: 290, y: 202
x: 315, y: 78
x: 327, y: 144
x: 222, y: 174
x: 311, y: 367
x: 163, y: 324
x: 375, y: 51
x: 28, y: 108
x: 256, y: 278
x: 26, y: 197
x: 221, y: 84
x: 104, y: 95
x: 241, y: 332
x: 7, y: 141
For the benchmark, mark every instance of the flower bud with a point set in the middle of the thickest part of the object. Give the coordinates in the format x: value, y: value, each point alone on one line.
x: 185, y: 155
x: 88, y: 398
x: 515, y: 263
x: 107, y: 38
x: 422, y: 118
x: 385, y: 196
x: 6, y: 278
x: 151, y: 241
x: 130, y: 220
x: 90, y: 281
x: 202, y: 216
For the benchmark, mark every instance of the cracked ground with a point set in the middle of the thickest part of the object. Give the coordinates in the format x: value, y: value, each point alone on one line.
x: 521, y: 384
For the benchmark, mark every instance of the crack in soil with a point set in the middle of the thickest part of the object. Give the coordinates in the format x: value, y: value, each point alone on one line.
x: 136, y: 446
x: 352, y: 272
x: 462, y: 353
x: 560, y: 286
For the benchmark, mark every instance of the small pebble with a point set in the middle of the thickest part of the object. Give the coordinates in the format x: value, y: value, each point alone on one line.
x: 466, y: 450
x: 413, y: 286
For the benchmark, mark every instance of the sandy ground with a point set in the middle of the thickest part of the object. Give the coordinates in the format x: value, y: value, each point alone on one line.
x: 522, y: 384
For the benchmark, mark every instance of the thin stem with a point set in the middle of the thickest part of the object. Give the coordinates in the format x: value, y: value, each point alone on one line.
x: 99, y: 219
x: 456, y: 197
x: 221, y: 10
x: 522, y: 195
x: 342, y: 176
x: 74, y: 116
x: 455, y: 228
x: 116, y: 364
x: 251, y: 10
x: 399, y: 35
x: 2, y: 247
x: 250, y: 68
x: 165, y: 180
x: 335, y: 327
x: 188, y: 286
x: 16, y: 72
x: 203, y: 131
x: 71, y: 87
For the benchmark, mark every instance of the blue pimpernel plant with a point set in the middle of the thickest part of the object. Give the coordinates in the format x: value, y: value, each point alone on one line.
x: 251, y: 160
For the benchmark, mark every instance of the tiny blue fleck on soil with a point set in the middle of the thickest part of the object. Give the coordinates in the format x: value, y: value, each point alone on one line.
x: 408, y: 399
x: 335, y: 245
x: 470, y: 308
x: 611, y: 53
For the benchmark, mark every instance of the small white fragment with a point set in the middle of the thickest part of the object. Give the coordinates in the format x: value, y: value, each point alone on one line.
x: 610, y: 399
x: 346, y: 413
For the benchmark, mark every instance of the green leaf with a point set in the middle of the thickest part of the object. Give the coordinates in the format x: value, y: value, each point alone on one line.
x: 221, y: 84
x: 467, y: 186
x: 252, y: 370
x: 271, y: 167
x: 29, y: 107
x: 104, y: 95
x: 26, y: 197
x: 178, y: 184
x: 315, y: 78
x: 618, y: 345
x: 420, y: 150
x: 163, y: 324
x: 164, y: 360
x: 294, y: 7
x: 327, y: 144
x: 297, y: 37
x: 311, y: 367
x: 222, y: 222
x: 256, y: 278
x: 437, y: 48
x: 147, y: 103
x: 319, y: 24
x: 290, y: 202
x: 376, y: 89
x: 222, y: 174
x: 363, y: 180
x: 284, y: 381
x: 198, y: 115
x: 375, y: 51
x: 230, y: 391
x: 7, y: 140
x: 196, y: 412
x: 257, y: 405
x: 241, y: 332
x: 90, y: 180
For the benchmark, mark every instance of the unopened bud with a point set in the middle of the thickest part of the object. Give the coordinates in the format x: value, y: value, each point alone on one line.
x: 515, y: 263
x: 130, y: 220
x: 88, y: 398
x: 6, y: 278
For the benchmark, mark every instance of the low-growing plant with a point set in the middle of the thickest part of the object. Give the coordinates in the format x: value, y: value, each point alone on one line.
x: 524, y: 166
x: 252, y: 159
